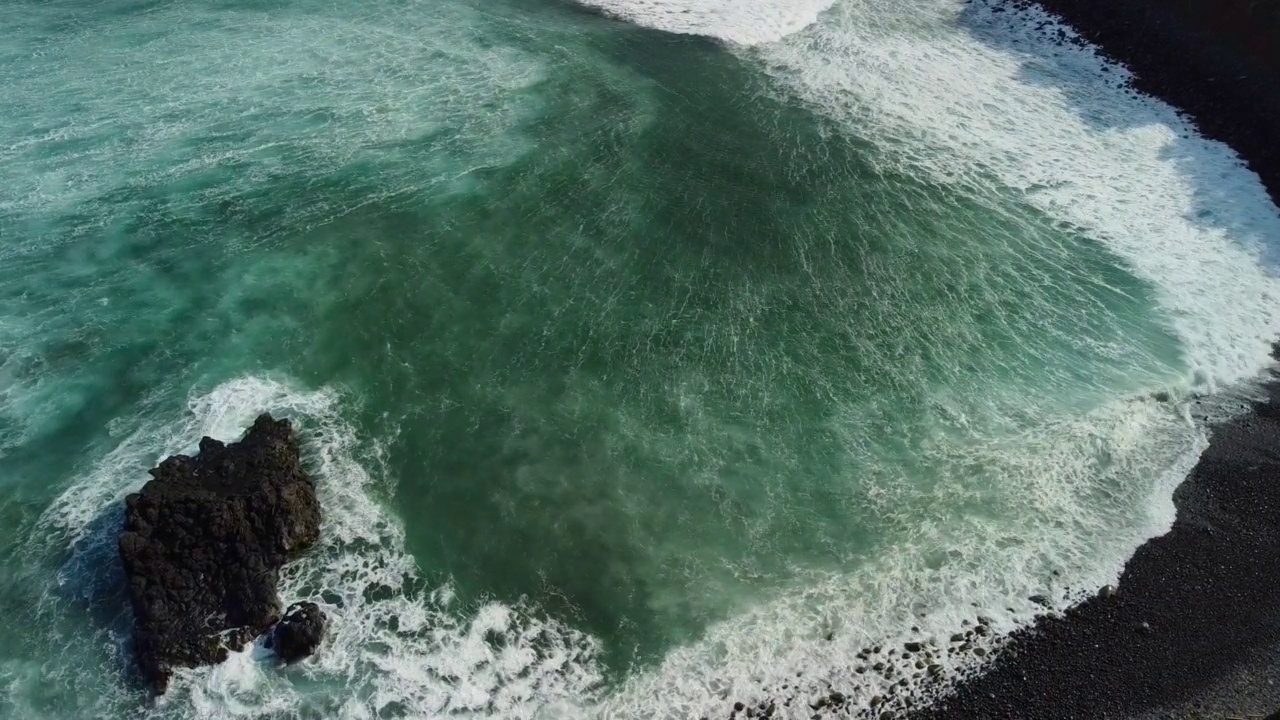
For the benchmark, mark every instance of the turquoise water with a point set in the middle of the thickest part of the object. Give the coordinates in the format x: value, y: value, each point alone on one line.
x: 638, y: 369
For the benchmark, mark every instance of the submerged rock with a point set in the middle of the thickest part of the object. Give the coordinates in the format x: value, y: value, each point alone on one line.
x: 203, y: 543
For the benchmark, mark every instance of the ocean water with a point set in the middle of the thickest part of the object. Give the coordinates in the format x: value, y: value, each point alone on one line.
x: 647, y: 353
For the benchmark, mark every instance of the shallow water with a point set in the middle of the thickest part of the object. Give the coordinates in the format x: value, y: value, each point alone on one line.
x: 639, y: 369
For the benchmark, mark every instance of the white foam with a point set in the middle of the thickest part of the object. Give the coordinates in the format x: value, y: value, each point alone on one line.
x: 1064, y: 510
x: 986, y: 110
x: 389, y: 641
x: 985, y: 103
x: 744, y: 22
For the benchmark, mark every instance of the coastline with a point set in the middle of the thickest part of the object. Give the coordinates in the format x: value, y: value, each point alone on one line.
x: 1217, y: 61
x: 1193, y: 628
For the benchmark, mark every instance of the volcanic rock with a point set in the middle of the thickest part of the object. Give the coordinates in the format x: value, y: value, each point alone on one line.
x: 299, y: 633
x: 203, y: 544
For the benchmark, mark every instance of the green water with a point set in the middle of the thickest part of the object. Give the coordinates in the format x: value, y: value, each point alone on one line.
x: 610, y: 328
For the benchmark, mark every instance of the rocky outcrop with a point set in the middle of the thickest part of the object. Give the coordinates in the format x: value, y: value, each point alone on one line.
x: 299, y: 633
x: 203, y: 544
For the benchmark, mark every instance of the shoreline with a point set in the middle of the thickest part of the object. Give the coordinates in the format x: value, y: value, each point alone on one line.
x: 1193, y: 627
x: 1215, y: 61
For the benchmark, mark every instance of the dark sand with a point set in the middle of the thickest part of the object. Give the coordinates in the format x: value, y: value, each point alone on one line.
x: 1194, y: 627
x: 1218, y: 61
x: 1193, y: 630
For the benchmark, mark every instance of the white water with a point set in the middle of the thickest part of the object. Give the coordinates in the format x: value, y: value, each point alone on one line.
x: 745, y: 22
x: 997, y: 106
x: 391, y: 642
x: 991, y: 107
x: 985, y: 101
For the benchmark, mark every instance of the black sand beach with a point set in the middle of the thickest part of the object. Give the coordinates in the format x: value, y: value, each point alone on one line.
x: 1193, y: 628
x: 1218, y: 61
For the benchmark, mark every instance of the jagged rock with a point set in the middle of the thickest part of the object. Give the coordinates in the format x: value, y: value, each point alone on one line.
x: 299, y: 633
x: 203, y: 543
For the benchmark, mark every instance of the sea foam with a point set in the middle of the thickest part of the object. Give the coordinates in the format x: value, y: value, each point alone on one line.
x: 742, y: 22
x: 994, y: 104
x: 978, y: 101
x: 397, y: 647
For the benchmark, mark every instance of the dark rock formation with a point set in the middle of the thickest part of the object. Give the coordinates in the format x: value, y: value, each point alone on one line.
x: 299, y: 633
x: 203, y: 543
x: 1216, y: 60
